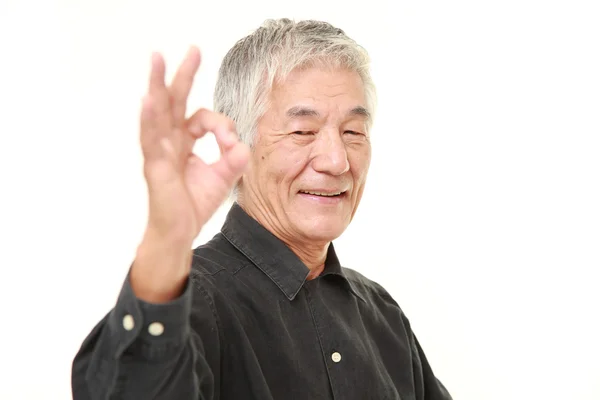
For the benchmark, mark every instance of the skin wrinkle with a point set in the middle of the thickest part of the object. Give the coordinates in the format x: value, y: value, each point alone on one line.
x: 326, y: 157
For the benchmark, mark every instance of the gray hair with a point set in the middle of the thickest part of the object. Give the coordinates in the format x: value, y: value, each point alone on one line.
x: 269, y: 54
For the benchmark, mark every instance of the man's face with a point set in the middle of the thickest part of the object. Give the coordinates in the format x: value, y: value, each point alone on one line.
x: 311, y: 156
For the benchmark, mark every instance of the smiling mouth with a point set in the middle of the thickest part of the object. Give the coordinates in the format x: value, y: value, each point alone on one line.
x: 323, y: 194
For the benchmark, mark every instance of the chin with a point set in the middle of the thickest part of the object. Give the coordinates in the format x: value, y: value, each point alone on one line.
x: 324, y: 229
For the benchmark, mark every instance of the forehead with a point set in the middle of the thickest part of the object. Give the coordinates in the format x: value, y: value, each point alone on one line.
x: 319, y: 87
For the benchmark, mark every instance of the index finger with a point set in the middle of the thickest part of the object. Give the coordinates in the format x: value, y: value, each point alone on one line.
x: 222, y: 126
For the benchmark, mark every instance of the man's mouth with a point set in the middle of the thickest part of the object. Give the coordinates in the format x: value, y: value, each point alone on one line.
x: 322, y: 193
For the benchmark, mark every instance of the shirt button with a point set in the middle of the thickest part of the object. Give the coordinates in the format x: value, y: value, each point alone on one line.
x: 128, y: 322
x: 336, y: 357
x: 156, y: 329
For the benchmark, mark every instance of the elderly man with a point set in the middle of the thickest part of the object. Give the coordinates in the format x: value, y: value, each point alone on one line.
x: 264, y: 310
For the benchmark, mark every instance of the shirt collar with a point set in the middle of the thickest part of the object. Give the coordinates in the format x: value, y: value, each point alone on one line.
x: 272, y: 256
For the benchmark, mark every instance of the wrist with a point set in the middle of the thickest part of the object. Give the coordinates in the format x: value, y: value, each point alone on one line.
x: 160, y: 271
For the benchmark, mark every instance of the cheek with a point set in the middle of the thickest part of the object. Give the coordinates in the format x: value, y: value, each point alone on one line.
x: 359, y: 160
x: 283, y: 165
x: 296, y: 164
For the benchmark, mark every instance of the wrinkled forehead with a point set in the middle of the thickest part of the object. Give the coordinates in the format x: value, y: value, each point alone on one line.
x: 306, y: 111
x: 309, y: 92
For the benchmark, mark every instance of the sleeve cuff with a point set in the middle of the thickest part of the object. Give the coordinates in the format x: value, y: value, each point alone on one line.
x: 133, y: 319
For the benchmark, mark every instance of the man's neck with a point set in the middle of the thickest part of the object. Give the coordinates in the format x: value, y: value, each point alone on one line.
x: 313, y: 255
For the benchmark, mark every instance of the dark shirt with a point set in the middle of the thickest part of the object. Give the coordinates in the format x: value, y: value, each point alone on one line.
x: 249, y: 325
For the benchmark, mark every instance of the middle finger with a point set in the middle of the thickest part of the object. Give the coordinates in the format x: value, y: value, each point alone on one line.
x: 182, y: 85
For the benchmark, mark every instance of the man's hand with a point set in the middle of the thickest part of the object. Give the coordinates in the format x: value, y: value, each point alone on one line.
x: 184, y: 192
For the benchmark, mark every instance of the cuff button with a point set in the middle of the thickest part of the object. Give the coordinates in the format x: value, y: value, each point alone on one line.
x: 128, y: 322
x: 156, y: 329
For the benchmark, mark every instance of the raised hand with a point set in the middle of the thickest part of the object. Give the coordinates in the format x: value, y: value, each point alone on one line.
x: 183, y: 191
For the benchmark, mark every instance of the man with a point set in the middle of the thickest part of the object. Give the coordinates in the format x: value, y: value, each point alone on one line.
x: 264, y: 310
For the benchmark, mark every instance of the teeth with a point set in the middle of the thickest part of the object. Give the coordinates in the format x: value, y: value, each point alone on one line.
x: 322, y: 194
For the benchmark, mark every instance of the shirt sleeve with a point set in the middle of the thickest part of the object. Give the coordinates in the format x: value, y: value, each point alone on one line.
x: 141, y: 350
x: 428, y: 386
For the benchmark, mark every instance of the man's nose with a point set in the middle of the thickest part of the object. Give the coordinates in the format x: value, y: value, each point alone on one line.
x: 331, y: 155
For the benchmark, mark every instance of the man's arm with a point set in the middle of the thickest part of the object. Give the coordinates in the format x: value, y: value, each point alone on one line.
x: 427, y: 384
x: 144, y: 348
x: 148, y: 351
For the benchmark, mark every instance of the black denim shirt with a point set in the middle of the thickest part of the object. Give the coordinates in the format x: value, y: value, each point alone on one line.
x: 250, y: 326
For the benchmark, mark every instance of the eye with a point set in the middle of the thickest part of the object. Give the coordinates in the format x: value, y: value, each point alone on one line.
x: 353, y: 133
x: 303, y: 133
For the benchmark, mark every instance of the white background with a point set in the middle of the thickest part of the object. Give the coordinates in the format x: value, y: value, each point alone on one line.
x: 481, y: 215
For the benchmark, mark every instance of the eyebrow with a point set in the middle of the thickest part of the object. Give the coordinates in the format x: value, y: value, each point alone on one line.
x: 301, y: 111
